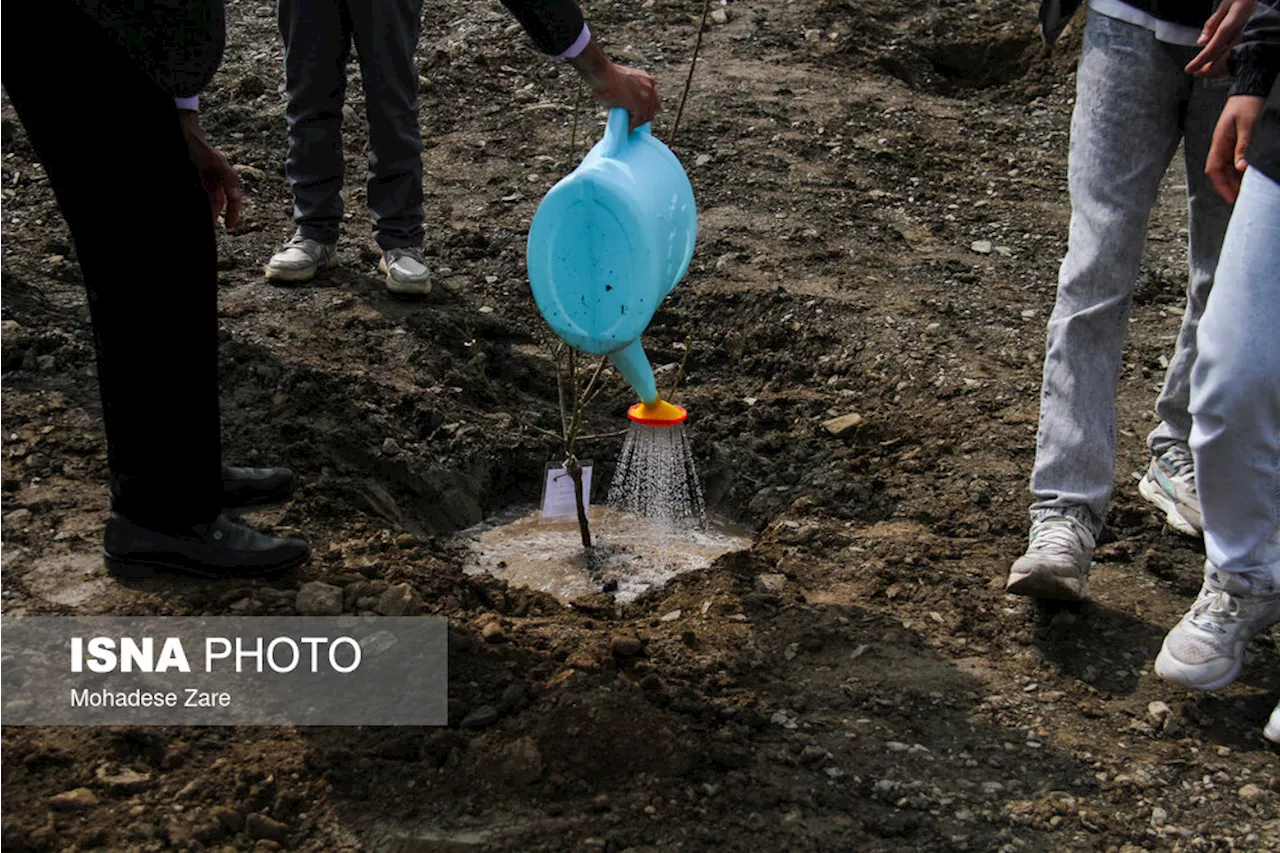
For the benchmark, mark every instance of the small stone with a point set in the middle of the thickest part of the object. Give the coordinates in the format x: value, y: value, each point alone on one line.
x: 845, y: 425
x: 406, y: 541
x: 349, y: 114
x: 1159, y: 817
x: 670, y: 617
x: 812, y: 754
x: 390, y: 447
x: 702, y: 160
x: 513, y: 696
x: 353, y: 592
x: 1251, y: 793
x: 122, y: 780
x: 492, y: 633
x: 486, y: 309
x: 261, y: 826
x: 626, y: 645
x: 400, y: 600
x: 521, y: 761
x: 230, y: 819
x: 771, y: 582
x: 982, y: 247
x: 15, y: 342
x: 1159, y: 711
x: 18, y: 518
x: 720, y: 16
x: 319, y: 599
x: 485, y: 715
x: 251, y: 172
x: 74, y: 800
x: 266, y: 845
x: 208, y: 832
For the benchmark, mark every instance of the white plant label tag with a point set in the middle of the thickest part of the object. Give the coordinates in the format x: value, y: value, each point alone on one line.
x: 557, y: 491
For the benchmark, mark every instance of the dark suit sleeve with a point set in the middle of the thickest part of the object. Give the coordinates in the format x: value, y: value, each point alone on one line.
x: 554, y: 25
x: 1255, y: 62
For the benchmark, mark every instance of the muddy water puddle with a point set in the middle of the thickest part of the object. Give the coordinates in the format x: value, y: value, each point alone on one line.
x: 635, y: 554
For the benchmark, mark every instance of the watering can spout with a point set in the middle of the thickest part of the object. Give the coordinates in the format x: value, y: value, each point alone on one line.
x: 633, y: 364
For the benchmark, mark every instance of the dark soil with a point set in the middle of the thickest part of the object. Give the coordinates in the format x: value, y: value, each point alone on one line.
x: 846, y: 156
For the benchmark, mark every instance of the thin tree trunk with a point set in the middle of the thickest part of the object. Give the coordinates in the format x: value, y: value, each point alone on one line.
x: 584, y: 527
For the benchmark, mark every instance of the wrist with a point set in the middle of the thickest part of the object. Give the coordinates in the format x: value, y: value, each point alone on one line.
x: 593, y: 66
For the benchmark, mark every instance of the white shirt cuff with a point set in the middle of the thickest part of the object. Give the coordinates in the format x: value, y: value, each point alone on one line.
x: 579, y: 44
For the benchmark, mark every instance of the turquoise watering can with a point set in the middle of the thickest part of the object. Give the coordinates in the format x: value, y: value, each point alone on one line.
x: 609, y: 242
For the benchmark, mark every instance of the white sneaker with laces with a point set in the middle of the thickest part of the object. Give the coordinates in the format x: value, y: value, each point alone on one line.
x: 406, y: 271
x: 1272, y: 731
x: 1205, y: 650
x: 1170, y: 486
x: 1056, y: 565
x: 300, y: 259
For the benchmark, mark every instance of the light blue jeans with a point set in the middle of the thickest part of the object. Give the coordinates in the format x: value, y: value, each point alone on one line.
x: 1134, y: 103
x: 1235, y: 389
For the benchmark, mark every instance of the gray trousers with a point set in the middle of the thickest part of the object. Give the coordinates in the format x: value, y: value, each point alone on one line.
x: 317, y: 41
x: 1134, y: 103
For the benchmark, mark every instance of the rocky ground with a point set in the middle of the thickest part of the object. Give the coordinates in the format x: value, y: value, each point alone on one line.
x: 883, y: 207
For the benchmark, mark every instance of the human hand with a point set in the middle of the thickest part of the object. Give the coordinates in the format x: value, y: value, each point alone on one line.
x: 633, y: 90
x: 220, y: 181
x: 619, y: 85
x: 1221, y: 33
x: 1225, y: 164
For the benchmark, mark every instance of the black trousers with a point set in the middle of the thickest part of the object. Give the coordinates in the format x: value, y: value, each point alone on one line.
x: 110, y: 142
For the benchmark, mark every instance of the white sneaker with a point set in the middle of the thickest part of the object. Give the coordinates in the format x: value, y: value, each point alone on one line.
x: 406, y: 271
x: 1170, y: 486
x: 1056, y: 565
x: 1205, y: 650
x: 300, y: 259
x: 1272, y: 730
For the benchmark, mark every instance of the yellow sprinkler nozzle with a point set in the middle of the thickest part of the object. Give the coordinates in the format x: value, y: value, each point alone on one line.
x: 659, y: 413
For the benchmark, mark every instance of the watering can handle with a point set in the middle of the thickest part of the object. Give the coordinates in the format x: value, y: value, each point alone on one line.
x: 616, y: 131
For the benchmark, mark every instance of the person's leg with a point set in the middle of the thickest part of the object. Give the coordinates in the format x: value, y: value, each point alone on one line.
x: 1235, y: 438
x: 386, y: 36
x: 317, y: 42
x: 1208, y: 216
x: 1169, y: 482
x: 154, y: 308
x: 1124, y: 131
x: 1235, y: 399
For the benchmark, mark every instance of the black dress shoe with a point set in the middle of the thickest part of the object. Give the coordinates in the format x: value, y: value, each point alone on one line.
x: 220, y: 549
x: 247, y: 488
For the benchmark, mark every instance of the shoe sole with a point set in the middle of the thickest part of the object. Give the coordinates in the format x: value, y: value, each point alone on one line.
x: 298, y: 275
x: 420, y: 288
x: 1047, y: 587
x: 1155, y: 496
x: 1171, y: 669
x: 133, y: 567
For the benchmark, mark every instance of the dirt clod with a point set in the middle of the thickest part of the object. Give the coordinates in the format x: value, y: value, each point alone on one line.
x: 73, y: 800
x: 399, y: 600
x: 319, y: 599
x: 259, y: 826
